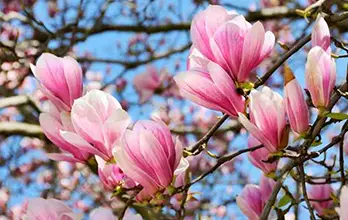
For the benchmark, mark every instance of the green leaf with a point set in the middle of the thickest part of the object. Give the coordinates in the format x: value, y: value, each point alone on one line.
x: 337, y: 116
x: 333, y: 172
x: 247, y: 85
x: 316, y: 143
x: 334, y: 198
x: 284, y: 200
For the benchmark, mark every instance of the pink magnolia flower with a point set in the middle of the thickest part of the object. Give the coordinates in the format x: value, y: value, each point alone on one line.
x: 149, y: 155
x: 60, y: 78
x: 295, y: 105
x: 148, y: 82
x: 112, y: 176
x: 39, y: 208
x: 343, y: 211
x: 227, y: 39
x: 266, y: 186
x: 99, y: 121
x: 258, y: 156
x: 253, y: 198
x: 103, y: 213
x: 180, y: 173
x: 209, y: 85
x: 321, y: 35
x: 320, y: 76
x: 52, y: 123
x: 267, y: 119
x: 321, y: 192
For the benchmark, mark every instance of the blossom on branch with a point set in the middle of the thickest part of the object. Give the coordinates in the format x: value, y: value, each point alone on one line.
x: 209, y: 85
x: 60, y: 78
x: 227, y: 39
x: 148, y: 82
x: 295, y: 104
x: 99, y: 121
x: 320, y: 76
x: 267, y: 121
x: 321, y: 192
x: 321, y: 35
x: 253, y: 198
x: 149, y: 155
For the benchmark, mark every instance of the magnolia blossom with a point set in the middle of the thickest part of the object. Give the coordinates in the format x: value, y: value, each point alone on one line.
x: 209, y: 85
x: 320, y: 76
x: 60, y: 78
x: 99, y: 121
x: 253, y: 198
x: 112, y: 176
x: 295, y: 104
x: 227, y: 39
x: 149, y: 155
x: 148, y: 82
x: 321, y: 35
x: 102, y: 213
x: 257, y: 157
x: 321, y: 192
x: 52, y: 123
x: 39, y: 208
x: 267, y: 119
x: 343, y: 211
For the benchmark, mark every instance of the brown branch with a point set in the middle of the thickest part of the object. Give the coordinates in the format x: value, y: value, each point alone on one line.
x: 197, y: 131
x: 20, y: 128
x: 280, y: 62
x: 221, y: 161
x: 262, y: 15
x: 133, y: 64
x: 18, y: 101
x: 304, y: 191
x: 204, y: 140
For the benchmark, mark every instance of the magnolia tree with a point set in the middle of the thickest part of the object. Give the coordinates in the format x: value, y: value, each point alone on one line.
x: 173, y: 109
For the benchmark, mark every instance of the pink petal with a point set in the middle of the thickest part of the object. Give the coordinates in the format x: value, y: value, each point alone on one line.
x: 114, y: 127
x: 73, y: 76
x: 296, y: 107
x: 158, y: 161
x: 137, y: 174
x: 227, y: 46
x: 102, y: 214
x: 321, y: 35
x: 252, y: 49
x: 203, y: 91
x: 63, y: 157
x: 314, y: 76
x: 77, y: 141
x: 87, y: 122
x: 226, y: 86
x: 249, y: 201
x: 50, y: 72
x: 254, y: 131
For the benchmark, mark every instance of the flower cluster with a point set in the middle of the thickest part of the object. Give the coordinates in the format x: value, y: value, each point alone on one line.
x: 225, y: 51
x: 92, y: 126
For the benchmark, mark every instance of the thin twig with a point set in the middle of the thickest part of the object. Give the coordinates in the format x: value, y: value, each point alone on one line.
x: 208, y: 135
x: 304, y: 191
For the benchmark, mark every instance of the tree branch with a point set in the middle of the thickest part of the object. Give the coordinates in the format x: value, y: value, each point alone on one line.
x: 20, y: 128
